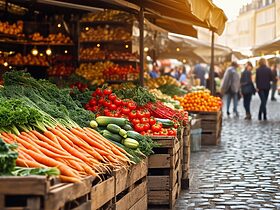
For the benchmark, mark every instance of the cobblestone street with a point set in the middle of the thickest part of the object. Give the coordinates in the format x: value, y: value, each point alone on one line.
x: 243, y: 172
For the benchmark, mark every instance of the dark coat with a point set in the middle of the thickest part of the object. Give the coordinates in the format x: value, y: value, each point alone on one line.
x: 263, y: 78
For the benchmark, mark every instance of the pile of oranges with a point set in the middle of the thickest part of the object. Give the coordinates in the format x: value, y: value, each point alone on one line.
x: 200, y: 101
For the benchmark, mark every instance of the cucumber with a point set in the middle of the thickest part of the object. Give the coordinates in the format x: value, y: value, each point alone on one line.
x: 135, y: 135
x: 128, y: 127
x: 130, y: 143
x: 93, y: 124
x: 166, y: 123
x: 104, y: 121
x: 117, y: 130
x: 112, y: 136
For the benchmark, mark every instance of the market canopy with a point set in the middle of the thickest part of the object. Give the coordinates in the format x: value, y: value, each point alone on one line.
x: 267, y: 48
x: 193, y: 12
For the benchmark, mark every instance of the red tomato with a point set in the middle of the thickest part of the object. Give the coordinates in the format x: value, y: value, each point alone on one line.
x: 132, y: 114
x: 145, y: 120
x: 113, y: 107
x: 100, y: 101
x: 125, y: 102
x: 140, y: 114
x: 92, y: 102
x: 139, y: 127
x: 112, y: 97
x: 152, y: 121
x: 147, y: 113
x: 171, y: 132
x: 118, y: 101
x: 146, y: 126
x: 132, y: 105
x: 135, y: 121
x: 107, y: 103
x: 125, y: 110
x: 106, y: 111
x: 107, y: 91
x: 157, y: 127
x: 99, y: 91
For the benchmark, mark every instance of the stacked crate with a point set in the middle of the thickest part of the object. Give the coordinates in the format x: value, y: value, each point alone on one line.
x: 164, y: 173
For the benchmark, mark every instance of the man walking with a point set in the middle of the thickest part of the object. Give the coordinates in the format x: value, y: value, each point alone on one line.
x: 230, y: 87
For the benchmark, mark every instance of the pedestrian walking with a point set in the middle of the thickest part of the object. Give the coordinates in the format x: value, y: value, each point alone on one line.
x: 274, y: 70
x: 199, y: 72
x: 230, y: 87
x: 247, y: 88
x: 263, y: 78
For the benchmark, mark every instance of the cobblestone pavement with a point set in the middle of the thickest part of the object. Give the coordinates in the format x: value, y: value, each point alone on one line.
x: 243, y: 172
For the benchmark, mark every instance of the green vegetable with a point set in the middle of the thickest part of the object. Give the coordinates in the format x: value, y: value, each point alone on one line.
x: 172, y: 90
x: 117, y: 129
x: 93, y: 124
x: 135, y: 135
x: 128, y: 127
x: 112, y: 136
x: 104, y: 121
x: 138, y: 94
x: 8, y: 157
x: 166, y: 123
x: 130, y: 143
x: 21, y: 171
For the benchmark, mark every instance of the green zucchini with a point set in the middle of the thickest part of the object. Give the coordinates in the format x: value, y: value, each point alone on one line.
x: 135, y: 135
x: 166, y: 123
x: 128, y: 127
x: 112, y: 136
x: 117, y: 129
x: 104, y: 121
x: 130, y: 143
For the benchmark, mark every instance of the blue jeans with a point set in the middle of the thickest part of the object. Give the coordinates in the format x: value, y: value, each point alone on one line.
x: 229, y: 96
x: 263, y: 94
x: 246, y: 102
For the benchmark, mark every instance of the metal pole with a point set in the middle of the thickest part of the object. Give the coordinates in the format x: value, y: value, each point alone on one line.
x: 141, y: 46
x: 212, y: 75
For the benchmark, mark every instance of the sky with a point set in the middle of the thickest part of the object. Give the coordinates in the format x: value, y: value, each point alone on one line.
x: 231, y: 7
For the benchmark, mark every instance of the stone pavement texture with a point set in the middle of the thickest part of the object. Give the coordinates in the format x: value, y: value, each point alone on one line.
x: 243, y: 172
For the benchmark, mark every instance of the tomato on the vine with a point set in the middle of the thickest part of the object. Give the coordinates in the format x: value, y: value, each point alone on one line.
x: 107, y: 103
x: 147, y: 113
x: 92, y: 102
x: 145, y: 120
x: 146, y: 126
x: 99, y: 91
x: 112, y: 106
x: 140, y: 114
x: 100, y: 101
x: 112, y: 97
x: 125, y: 102
x: 118, y: 101
x: 107, y: 91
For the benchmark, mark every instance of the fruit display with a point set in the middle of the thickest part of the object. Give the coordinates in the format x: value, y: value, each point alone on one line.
x: 12, y: 29
x: 52, y: 38
x: 166, y: 99
x: 162, y: 80
x: 200, y: 101
x: 108, y: 15
x: 61, y: 70
x: 105, y: 34
x: 92, y: 53
x: 102, y: 71
x: 106, y: 103
x: 29, y: 60
x: 122, y: 55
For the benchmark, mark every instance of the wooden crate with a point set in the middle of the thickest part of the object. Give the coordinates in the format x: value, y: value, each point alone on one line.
x: 211, y: 124
x: 164, y: 175
x: 41, y: 193
x: 131, y: 187
x: 186, y: 156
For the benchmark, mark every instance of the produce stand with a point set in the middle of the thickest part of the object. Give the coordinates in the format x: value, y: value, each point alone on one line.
x: 186, y: 156
x: 37, y: 192
x: 211, y: 124
x: 164, y: 173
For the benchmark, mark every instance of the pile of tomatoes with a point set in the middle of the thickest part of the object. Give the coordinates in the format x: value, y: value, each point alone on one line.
x: 200, y: 101
x: 106, y: 103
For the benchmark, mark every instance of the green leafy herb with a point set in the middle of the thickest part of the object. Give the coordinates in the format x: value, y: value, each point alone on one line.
x: 8, y: 157
x: 22, y: 171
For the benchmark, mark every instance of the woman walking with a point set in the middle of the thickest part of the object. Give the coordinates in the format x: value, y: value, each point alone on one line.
x: 274, y: 81
x: 263, y: 78
x: 247, y: 88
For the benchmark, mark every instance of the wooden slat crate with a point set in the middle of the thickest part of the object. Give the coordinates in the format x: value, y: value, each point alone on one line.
x: 131, y: 187
x: 164, y: 173
x: 186, y: 156
x: 40, y: 193
x: 211, y: 124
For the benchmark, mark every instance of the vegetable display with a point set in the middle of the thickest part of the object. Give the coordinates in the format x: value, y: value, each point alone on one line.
x: 200, y: 101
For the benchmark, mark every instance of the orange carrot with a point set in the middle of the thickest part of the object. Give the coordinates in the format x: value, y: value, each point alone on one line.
x: 28, y: 163
x: 62, y: 136
x: 64, y: 169
x: 45, y: 139
x: 69, y: 179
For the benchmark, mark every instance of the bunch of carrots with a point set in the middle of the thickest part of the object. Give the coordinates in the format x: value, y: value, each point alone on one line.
x: 76, y: 152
